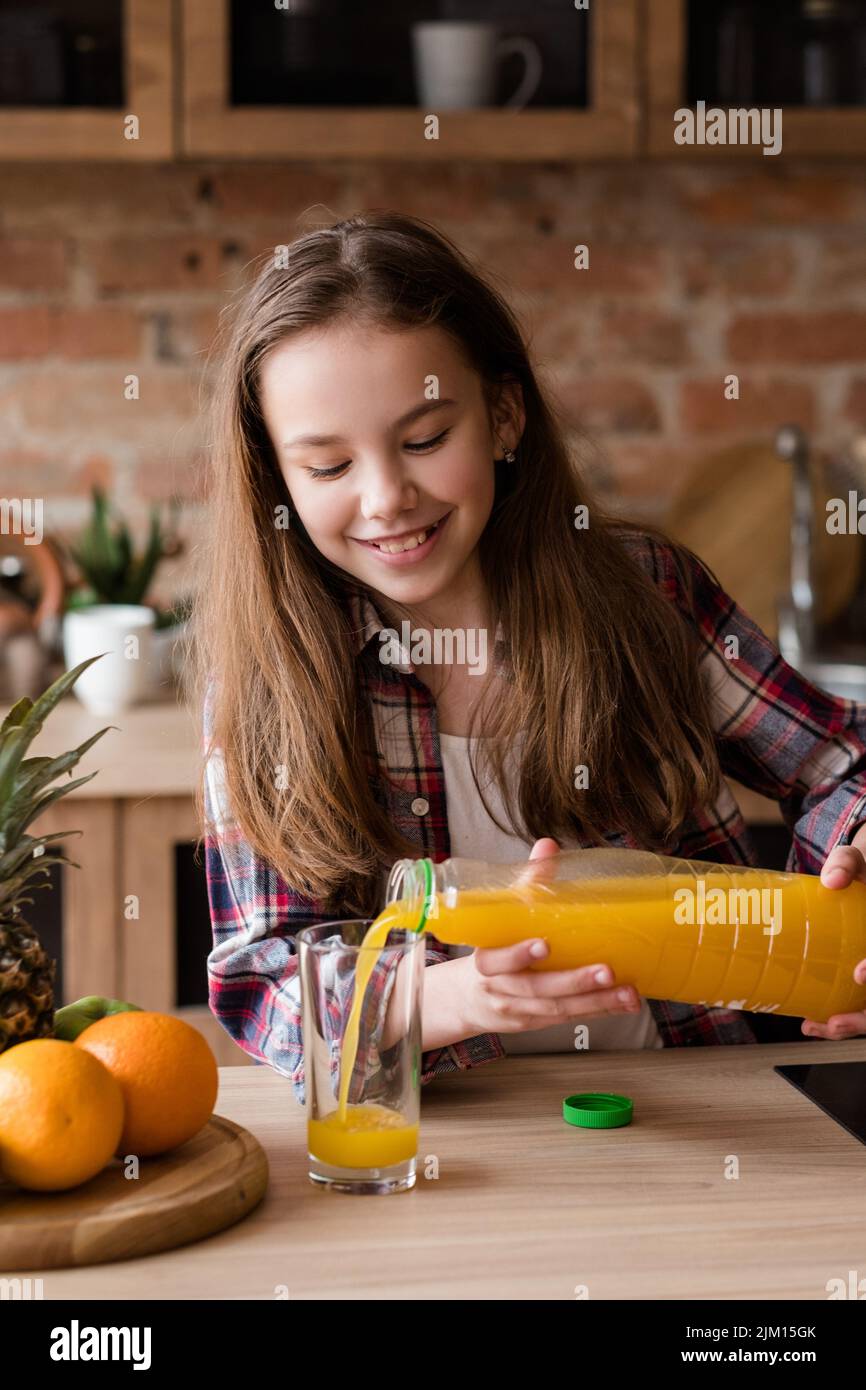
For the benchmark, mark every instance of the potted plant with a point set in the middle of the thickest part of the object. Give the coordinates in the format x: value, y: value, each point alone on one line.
x: 107, y: 611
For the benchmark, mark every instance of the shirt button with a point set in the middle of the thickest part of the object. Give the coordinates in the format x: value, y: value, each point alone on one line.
x: 420, y: 806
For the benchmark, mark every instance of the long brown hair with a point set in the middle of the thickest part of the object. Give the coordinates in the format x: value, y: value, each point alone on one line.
x: 605, y: 669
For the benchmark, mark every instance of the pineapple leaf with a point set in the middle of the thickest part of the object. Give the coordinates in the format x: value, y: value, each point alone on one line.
x: 17, y: 714
x: 25, y: 791
x: 34, y: 865
x: 25, y: 880
x: 20, y: 902
x: 35, y: 808
x: 12, y: 860
x: 27, y: 768
x: 42, y: 771
x: 28, y: 868
x: 53, y: 695
x: 12, y: 750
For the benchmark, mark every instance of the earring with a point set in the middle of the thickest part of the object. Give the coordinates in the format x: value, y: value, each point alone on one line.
x: 509, y: 456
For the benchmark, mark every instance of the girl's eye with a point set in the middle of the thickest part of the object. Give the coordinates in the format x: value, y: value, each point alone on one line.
x: 429, y: 443
x: 421, y: 447
x: 328, y: 472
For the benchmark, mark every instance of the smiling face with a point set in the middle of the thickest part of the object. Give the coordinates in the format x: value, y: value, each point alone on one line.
x: 367, y: 458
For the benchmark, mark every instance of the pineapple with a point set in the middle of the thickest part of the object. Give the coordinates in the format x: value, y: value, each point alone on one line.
x: 26, y: 972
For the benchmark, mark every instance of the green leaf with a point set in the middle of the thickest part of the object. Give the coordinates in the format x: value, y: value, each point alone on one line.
x: 17, y: 714
x: 43, y: 770
x: 47, y: 800
x: 124, y: 551
x: 54, y: 694
x: 15, y: 744
x: 144, y: 569
x: 18, y: 865
x: 98, y: 554
x: 29, y: 766
x: 107, y: 559
x: 81, y: 599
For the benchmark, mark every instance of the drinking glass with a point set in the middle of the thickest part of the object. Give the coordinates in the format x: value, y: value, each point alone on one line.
x: 370, y: 1144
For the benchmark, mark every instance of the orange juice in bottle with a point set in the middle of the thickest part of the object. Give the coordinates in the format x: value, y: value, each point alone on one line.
x: 722, y: 936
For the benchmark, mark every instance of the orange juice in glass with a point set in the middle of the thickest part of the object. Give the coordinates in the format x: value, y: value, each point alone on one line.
x: 361, y: 1018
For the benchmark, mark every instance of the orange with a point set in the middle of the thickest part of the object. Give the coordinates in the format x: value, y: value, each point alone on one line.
x: 61, y: 1115
x: 166, y: 1071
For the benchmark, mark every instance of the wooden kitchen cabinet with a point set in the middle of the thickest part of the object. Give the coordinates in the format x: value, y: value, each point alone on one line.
x: 92, y: 132
x: 178, y: 76
x: 830, y: 130
x: 215, y: 128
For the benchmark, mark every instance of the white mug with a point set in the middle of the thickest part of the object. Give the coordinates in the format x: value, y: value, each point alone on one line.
x: 455, y: 65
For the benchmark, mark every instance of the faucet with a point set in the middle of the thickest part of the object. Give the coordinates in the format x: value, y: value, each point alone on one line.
x: 797, y: 608
x: 833, y: 664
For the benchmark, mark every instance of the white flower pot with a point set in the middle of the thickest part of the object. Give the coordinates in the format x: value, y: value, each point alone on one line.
x: 124, y: 676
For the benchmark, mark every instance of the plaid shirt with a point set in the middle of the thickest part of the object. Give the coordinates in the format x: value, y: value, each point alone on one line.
x: 775, y: 732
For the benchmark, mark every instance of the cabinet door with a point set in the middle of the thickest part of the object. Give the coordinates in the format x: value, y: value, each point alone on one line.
x: 76, y: 72
x: 313, y: 80
x: 751, y: 55
x: 157, y: 904
x: 77, y: 918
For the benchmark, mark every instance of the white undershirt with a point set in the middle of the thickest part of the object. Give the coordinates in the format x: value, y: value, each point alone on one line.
x: 475, y: 836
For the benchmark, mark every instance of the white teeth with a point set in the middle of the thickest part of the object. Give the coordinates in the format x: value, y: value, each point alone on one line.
x: 410, y: 543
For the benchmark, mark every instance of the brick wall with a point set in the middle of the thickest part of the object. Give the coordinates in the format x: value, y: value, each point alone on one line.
x: 696, y: 270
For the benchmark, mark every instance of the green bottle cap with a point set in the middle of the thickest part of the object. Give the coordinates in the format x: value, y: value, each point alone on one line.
x: 597, y: 1110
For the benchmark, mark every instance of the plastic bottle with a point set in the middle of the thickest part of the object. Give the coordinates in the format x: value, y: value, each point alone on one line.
x: 713, y: 934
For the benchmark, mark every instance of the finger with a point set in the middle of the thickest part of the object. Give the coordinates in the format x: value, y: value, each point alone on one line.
x: 548, y: 1011
x: 543, y: 849
x: 846, y: 1025
x: 810, y: 1029
x: 550, y: 984
x: 507, y: 960
x: 842, y: 865
x: 515, y: 962
x: 839, y: 1026
x: 540, y: 869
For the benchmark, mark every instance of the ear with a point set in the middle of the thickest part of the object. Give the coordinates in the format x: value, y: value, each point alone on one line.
x: 509, y: 414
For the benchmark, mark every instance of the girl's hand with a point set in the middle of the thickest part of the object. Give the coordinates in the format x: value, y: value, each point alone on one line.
x: 502, y: 995
x: 842, y: 866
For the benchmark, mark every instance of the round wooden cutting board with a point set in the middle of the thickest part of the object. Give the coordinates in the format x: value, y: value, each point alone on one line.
x: 207, y: 1184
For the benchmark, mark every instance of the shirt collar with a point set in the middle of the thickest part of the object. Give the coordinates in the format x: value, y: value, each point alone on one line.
x: 366, y: 622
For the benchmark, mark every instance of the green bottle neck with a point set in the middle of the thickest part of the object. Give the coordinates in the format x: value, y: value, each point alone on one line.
x: 413, y: 882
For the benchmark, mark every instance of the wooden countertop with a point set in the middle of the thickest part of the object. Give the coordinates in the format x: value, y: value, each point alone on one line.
x: 150, y: 750
x: 526, y: 1206
x: 153, y: 752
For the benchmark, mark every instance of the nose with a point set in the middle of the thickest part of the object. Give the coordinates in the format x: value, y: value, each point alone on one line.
x: 387, y: 491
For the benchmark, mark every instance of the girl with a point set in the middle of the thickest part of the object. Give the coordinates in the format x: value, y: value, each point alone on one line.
x: 387, y: 468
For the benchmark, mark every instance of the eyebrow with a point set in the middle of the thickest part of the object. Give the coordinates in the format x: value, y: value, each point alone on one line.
x: 317, y: 441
